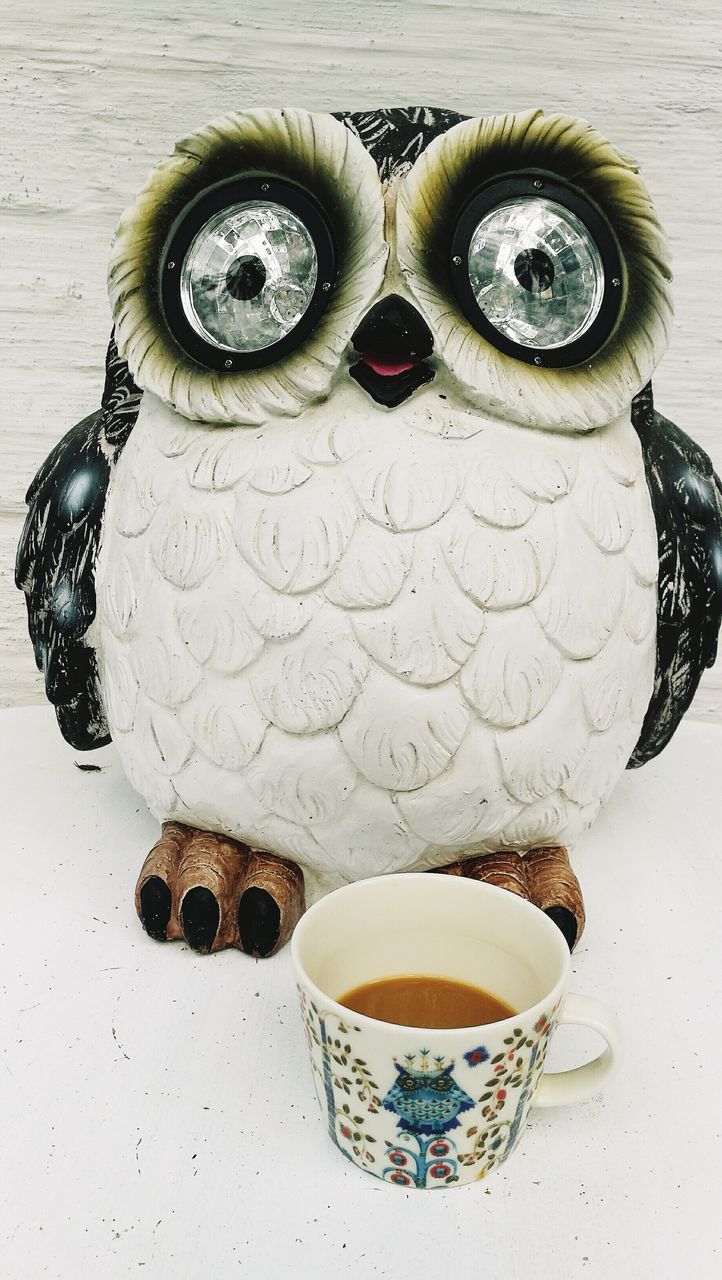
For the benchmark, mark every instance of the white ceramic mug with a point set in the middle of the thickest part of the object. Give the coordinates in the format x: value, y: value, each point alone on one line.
x: 429, y: 1107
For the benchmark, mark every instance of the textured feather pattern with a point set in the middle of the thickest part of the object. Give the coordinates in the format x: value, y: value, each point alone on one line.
x: 371, y: 641
x: 687, y: 500
x: 55, y: 565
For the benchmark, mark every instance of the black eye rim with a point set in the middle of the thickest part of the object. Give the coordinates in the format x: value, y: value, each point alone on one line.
x: 486, y: 198
x: 222, y: 195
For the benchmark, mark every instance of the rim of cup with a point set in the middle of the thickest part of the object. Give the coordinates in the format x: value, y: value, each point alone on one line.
x: 517, y: 903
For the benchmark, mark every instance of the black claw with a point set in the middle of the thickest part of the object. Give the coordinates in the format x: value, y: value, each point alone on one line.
x: 259, y: 922
x: 565, y: 922
x: 155, y: 907
x: 200, y: 915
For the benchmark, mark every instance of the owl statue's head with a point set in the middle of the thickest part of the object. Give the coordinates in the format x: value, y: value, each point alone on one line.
x: 510, y: 266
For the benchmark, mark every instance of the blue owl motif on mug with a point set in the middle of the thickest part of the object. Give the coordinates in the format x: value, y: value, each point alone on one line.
x: 427, y: 1102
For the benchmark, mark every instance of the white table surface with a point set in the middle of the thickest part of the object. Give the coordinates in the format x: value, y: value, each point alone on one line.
x: 158, y: 1116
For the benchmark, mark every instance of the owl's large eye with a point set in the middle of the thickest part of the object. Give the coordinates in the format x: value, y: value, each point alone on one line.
x: 408, y: 1084
x: 246, y: 272
x: 537, y: 270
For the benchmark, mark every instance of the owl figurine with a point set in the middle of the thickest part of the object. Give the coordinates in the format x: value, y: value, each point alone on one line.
x: 377, y: 555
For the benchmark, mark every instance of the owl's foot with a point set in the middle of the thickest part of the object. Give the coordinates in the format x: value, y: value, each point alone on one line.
x: 543, y: 876
x: 216, y: 892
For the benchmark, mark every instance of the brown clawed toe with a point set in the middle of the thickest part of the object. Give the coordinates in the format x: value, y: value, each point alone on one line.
x: 555, y: 888
x: 210, y: 878
x: 271, y: 904
x: 216, y: 892
x: 505, y: 869
x: 155, y: 889
x: 543, y: 876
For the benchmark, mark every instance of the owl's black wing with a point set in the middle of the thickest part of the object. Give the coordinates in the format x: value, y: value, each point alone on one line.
x: 687, y: 503
x: 56, y: 555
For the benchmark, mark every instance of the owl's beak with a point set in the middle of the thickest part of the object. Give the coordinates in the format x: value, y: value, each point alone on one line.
x: 393, y: 341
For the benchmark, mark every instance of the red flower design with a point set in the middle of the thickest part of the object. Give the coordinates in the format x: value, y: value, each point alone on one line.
x: 346, y: 1131
x: 439, y: 1147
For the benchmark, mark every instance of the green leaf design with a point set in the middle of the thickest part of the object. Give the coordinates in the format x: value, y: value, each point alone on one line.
x: 497, y: 1058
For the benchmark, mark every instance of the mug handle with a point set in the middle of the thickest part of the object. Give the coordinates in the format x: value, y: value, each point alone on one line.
x: 558, y: 1088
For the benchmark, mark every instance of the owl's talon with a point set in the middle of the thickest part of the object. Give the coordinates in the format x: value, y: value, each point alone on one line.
x: 272, y: 903
x: 154, y: 906
x: 566, y: 923
x: 211, y: 877
x: 543, y: 876
x: 156, y: 903
x: 216, y: 892
x: 259, y: 922
x: 200, y: 916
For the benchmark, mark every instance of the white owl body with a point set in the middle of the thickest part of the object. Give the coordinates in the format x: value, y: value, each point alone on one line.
x: 375, y: 640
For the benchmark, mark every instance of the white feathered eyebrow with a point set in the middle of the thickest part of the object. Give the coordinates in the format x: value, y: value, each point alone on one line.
x: 313, y: 148
x: 429, y: 200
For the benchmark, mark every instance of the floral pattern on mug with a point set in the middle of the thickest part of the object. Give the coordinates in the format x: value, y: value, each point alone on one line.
x: 342, y: 1076
x: 507, y: 1095
x: 427, y: 1100
x: 476, y: 1056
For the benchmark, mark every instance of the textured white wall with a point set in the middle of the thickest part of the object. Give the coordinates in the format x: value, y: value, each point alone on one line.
x: 93, y: 95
